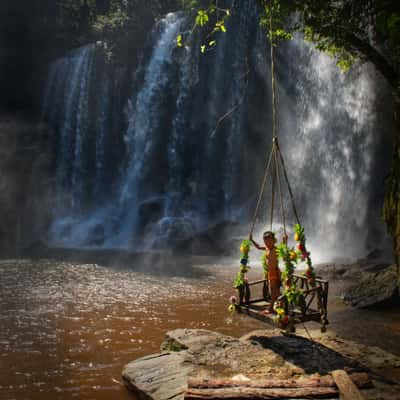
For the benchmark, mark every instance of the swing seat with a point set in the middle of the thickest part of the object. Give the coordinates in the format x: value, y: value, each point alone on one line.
x: 312, y: 305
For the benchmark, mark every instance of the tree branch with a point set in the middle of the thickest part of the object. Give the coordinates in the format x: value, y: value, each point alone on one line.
x: 373, y: 55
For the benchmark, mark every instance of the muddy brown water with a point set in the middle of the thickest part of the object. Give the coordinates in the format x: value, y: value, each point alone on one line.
x: 67, y: 329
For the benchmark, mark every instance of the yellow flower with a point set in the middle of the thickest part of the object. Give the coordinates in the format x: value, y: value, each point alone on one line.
x: 231, y: 308
x: 244, y: 249
x: 280, y: 311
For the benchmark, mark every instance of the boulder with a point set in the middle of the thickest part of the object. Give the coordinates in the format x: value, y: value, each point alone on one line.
x: 159, y: 376
x: 216, y: 240
x: 378, y: 283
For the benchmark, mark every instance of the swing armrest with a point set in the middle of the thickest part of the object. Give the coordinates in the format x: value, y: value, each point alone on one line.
x: 257, y: 282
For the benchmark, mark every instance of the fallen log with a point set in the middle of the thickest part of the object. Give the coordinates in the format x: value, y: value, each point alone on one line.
x: 347, y: 389
x: 237, y: 393
x: 361, y: 379
x: 266, y: 389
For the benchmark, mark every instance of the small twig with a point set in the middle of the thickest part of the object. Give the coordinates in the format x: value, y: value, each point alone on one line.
x: 236, y: 106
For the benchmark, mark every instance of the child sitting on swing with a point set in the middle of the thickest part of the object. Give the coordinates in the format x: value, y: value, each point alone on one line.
x: 271, y: 258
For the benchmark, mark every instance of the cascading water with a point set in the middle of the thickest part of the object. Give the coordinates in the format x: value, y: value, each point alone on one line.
x: 182, y: 168
x: 145, y: 131
x: 334, y: 147
x: 71, y: 78
x: 327, y: 124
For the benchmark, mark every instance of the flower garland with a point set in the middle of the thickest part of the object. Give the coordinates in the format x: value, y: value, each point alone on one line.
x: 281, y: 318
x: 240, y: 280
x: 300, y: 238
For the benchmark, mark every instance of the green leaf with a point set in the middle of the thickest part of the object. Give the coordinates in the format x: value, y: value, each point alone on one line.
x: 179, y: 41
x: 220, y: 26
x: 203, y: 48
x: 201, y: 18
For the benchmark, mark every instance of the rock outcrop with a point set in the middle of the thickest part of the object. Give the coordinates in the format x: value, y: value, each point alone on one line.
x: 365, y: 283
x: 375, y: 286
x: 259, y: 355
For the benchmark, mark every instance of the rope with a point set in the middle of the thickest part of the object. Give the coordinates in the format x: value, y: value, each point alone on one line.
x: 279, y: 164
x: 273, y: 153
x: 278, y: 172
x: 274, y: 123
x: 260, y: 196
x: 288, y: 185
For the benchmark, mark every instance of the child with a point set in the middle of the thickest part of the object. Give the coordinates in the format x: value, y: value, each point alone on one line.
x: 271, y: 258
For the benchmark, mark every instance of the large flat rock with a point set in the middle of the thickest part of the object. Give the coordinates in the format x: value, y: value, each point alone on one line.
x: 159, y: 376
x: 188, y: 353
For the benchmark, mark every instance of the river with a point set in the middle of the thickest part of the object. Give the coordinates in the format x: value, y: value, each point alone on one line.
x: 67, y: 329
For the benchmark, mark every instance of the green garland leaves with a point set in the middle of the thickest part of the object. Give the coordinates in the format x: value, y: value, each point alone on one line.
x: 244, y: 267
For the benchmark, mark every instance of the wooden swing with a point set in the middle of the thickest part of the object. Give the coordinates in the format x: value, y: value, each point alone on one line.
x: 305, y: 296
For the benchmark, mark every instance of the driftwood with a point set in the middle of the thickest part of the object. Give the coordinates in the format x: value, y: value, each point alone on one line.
x: 348, y: 390
x: 318, y: 388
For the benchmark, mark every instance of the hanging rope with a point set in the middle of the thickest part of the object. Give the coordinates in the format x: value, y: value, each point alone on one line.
x: 288, y: 185
x: 273, y: 185
x: 261, y: 195
x: 275, y: 159
x: 273, y: 84
x: 278, y: 173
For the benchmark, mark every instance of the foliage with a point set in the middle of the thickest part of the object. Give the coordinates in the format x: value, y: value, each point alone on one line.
x: 244, y: 259
x: 112, y: 22
x: 293, y: 295
x: 280, y: 14
x: 346, y: 30
x: 303, y: 254
x: 68, y: 23
x: 285, y: 254
x: 213, y: 18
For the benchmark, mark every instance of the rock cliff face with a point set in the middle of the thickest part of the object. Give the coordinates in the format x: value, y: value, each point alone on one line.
x: 24, y: 166
x: 392, y: 199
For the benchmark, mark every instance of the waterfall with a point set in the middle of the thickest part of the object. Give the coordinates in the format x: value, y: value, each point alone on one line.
x: 179, y: 167
x: 144, y: 134
x: 343, y: 158
x: 76, y: 108
x: 70, y: 80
